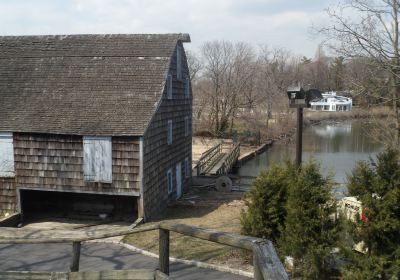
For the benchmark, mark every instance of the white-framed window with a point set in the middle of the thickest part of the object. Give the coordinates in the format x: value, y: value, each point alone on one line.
x: 187, y: 168
x: 169, y: 86
x: 169, y: 137
x: 169, y: 180
x: 179, y: 63
x: 97, y: 159
x: 187, y: 87
x: 6, y: 155
x: 187, y: 127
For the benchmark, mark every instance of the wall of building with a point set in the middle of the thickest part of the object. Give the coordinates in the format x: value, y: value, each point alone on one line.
x: 158, y: 155
x: 7, y: 195
x: 55, y: 162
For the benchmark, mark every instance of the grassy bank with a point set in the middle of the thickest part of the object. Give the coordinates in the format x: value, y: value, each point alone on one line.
x: 214, y: 210
x: 356, y: 113
x: 253, y: 131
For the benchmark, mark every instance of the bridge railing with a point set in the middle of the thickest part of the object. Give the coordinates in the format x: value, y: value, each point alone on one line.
x: 230, y: 160
x: 267, y: 265
x: 208, y: 159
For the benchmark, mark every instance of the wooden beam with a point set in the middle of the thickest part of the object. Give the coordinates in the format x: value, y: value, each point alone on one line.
x: 130, y: 193
x: 76, y: 255
x: 40, y: 237
x: 133, y: 274
x: 11, y: 221
x: 140, y: 201
x: 164, y: 251
x: 161, y: 276
x: 230, y: 239
x: 268, y: 263
x: 136, y: 274
x: 138, y: 222
x: 33, y: 275
x: 257, y: 272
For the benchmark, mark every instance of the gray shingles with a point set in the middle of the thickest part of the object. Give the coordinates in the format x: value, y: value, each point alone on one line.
x: 82, y: 84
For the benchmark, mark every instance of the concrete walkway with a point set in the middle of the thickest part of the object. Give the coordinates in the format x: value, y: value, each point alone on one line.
x: 94, y: 256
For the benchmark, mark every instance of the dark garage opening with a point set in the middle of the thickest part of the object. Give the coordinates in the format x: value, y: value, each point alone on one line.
x: 55, y: 204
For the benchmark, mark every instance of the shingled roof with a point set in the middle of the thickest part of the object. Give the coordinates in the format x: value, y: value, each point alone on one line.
x: 83, y: 84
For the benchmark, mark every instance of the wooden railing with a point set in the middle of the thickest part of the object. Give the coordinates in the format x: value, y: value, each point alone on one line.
x: 208, y: 159
x: 266, y: 262
x: 230, y: 160
x: 138, y: 274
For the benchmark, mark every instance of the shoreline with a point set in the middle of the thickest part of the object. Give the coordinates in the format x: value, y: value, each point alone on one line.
x: 251, y: 154
x: 289, y: 136
x: 310, y: 118
x: 356, y: 114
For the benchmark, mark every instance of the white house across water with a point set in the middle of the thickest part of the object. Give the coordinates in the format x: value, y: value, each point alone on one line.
x: 332, y: 103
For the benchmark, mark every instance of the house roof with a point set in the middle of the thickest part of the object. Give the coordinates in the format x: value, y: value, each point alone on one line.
x: 83, y: 84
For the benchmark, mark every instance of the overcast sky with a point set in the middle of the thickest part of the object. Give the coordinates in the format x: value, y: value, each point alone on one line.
x: 278, y: 23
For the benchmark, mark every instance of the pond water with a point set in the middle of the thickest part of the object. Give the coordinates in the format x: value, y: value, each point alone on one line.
x: 336, y: 145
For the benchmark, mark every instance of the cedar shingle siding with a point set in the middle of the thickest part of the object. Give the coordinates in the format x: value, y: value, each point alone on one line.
x: 158, y: 155
x: 54, y: 90
x: 7, y: 195
x: 56, y: 162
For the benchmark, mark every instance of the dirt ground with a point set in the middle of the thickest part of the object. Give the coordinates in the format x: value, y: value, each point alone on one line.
x: 207, y: 209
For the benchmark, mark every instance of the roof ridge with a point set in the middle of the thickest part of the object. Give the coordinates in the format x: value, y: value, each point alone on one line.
x: 141, y: 57
x: 184, y: 37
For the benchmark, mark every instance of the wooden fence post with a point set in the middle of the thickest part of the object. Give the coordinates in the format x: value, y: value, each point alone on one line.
x: 76, y: 254
x: 257, y: 272
x: 164, y: 251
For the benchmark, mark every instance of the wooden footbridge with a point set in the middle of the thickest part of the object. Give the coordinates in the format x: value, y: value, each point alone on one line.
x: 218, y: 160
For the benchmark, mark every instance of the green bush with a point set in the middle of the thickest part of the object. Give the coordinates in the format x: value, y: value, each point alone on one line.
x: 266, y: 201
x: 311, y: 230
x: 295, y: 209
x: 377, y: 187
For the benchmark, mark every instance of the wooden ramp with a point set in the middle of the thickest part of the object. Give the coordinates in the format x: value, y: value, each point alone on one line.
x: 218, y: 160
x: 136, y: 274
x: 219, y: 163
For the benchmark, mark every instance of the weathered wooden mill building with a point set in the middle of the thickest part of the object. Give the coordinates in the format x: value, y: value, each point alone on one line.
x: 94, y: 124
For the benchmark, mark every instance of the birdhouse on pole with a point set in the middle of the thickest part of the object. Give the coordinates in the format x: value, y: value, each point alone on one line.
x: 299, y: 98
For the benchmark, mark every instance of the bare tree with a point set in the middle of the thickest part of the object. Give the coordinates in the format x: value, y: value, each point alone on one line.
x: 369, y: 29
x: 228, y: 73
x: 195, y: 66
x: 315, y: 73
x: 277, y: 69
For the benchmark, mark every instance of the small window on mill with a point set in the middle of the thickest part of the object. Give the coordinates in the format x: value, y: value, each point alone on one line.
x: 169, y: 181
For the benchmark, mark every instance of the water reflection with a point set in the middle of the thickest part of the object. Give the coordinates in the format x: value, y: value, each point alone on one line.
x: 331, y: 130
x: 337, y: 146
x: 348, y: 136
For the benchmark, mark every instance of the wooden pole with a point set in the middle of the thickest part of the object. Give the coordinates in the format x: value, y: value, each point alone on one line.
x: 164, y: 251
x: 76, y: 254
x: 11, y: 236
x: 257, y: 272
x: 299, y: 136
x: 230, y: 239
